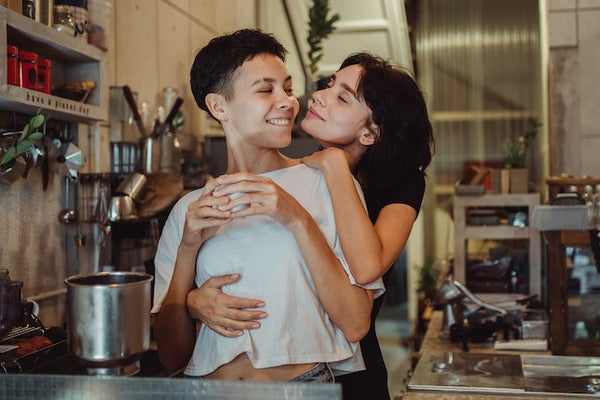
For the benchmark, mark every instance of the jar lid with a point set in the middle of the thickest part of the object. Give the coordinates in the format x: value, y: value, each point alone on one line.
x: 42, y: 62
x: 12, y: 49
x: 27, y: 56
x: 72, y: 3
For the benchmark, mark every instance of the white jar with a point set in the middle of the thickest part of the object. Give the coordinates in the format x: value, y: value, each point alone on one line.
x: 99, y: 12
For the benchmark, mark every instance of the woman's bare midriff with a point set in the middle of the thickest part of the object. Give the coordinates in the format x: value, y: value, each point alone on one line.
x: 240, y: 368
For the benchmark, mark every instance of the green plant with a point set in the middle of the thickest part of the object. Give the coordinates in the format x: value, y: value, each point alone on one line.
x: 320, y: 26
x: 515, y: 153
x: 24, y: 141
x: 428, y: 278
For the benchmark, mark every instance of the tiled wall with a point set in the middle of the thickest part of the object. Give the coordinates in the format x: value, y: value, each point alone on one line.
x: 574, y: 36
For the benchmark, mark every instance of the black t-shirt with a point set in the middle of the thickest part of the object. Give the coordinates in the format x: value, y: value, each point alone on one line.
x: 372, y: 383
x: 410, y: 192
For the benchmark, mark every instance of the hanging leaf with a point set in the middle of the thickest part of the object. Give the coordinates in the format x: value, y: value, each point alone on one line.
x: 29, y: 133
x: 8, y: 156
x: 36, y: 121
x: 35, y: 136
x: 23, y: 146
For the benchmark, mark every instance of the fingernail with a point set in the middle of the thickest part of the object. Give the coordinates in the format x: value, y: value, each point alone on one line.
x: 262, y: 316
x: 235, y: 276
x: 255, y: 326
x: 260, y: 304
x: 239, y: 333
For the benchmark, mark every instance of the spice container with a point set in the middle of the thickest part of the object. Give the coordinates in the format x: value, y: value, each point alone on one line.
x: 28, y: 66
x: 44, y: 75
x: 99, y: 21
x: 77, y: 10
x: 12, y: 65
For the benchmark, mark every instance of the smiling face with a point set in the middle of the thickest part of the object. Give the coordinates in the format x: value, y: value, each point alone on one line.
x: 261, y: 109
x: 338, y: 116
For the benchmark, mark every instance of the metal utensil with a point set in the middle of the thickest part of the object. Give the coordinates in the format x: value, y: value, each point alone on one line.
x: 68, y: 215
x: 134, y: 110
x: 121, y: 208
x: 163, y: 128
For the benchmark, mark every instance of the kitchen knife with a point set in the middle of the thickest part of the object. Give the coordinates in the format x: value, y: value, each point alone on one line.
x: 164, y: 127
x: 134, y: 110
x: 45, y: 168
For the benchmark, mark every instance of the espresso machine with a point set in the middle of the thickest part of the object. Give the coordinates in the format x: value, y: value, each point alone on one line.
x: 477, y: 325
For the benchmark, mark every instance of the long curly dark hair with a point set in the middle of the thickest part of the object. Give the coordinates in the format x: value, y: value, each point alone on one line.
x: 216, y: 62
x: 405, y: 142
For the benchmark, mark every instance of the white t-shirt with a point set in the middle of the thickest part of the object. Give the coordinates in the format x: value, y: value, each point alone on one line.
x: 265, y: 253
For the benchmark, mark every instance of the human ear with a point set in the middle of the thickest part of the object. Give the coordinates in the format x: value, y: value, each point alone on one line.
x: 369, y: 135
x: 216, y: 105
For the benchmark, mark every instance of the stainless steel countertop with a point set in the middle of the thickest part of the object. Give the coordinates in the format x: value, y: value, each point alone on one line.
x: 74, y: 387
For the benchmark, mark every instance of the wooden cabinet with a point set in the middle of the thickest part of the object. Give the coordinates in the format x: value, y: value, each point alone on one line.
x: 463, y: 231
x: 72, y: 61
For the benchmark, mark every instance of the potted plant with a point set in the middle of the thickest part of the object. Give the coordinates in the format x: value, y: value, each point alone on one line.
x: 515, y: 153
x: 514, y: 178
x: 12, y: 161
x: 320, y: 26
x: 427, y: 286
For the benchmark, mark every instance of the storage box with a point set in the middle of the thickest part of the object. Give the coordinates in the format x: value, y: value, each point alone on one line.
x: 509, y: 180
x: 534, y: 329
x: 560, y: 218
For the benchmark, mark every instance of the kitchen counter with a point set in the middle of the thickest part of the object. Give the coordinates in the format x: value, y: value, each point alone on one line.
x: 432, y: 341
x: 473, y: 396
x: 34, y: 387
x: 444, y: 371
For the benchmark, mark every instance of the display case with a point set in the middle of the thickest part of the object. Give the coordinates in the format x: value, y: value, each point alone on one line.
x: 486, y: 228
x: 73, y: 60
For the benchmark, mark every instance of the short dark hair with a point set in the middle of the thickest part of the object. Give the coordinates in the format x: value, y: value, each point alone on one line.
x: 405, y: 142
x: 216, y: 62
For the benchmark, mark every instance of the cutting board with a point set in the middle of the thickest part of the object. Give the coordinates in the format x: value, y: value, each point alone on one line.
x: 168, y: 187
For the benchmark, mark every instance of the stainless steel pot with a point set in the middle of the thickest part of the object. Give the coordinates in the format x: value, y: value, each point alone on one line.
x: 121, y: 208
x: 151, y: 154
x: 108, y: 324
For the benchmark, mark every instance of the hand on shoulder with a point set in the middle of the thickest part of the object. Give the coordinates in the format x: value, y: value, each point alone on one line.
x: 327, y: 158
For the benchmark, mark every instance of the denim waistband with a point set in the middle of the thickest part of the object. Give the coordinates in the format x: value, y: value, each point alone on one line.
x: 320, y: 373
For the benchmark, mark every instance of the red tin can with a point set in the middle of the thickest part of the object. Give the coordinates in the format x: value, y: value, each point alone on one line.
x: 28, y: 63
x: 44, y: 75
x: 12, y: 65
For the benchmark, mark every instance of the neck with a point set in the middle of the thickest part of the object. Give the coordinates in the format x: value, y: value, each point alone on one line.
x: 256, y: 161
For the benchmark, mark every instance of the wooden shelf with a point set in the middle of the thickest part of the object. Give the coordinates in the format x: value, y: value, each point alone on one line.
x: 72, y: 61
x: 463, y: 232
x: 485, y: 115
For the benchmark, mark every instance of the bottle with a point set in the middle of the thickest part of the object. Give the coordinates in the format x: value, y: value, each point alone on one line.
x: 514, y: 281
x: 588, y: 198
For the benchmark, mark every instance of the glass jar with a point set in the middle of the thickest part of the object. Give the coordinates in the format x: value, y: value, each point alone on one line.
x: 28, y: 66
x: 63, y: 19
